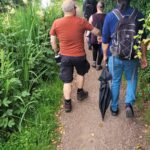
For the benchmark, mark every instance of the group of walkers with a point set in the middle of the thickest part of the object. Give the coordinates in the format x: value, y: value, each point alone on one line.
x: 102, y: 31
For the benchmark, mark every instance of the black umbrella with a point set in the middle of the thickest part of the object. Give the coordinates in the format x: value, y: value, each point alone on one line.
x: 105, y: 92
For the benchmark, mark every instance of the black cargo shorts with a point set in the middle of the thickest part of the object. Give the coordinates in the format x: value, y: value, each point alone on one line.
x: 68, y: 63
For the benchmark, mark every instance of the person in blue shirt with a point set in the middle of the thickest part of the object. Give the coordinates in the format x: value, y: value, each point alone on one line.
x: 118, y: 66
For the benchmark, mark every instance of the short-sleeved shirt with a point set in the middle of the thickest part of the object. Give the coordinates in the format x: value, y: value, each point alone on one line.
x: 110, y: 24
x: 70, y: 33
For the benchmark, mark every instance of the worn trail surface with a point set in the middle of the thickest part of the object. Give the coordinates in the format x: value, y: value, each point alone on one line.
x: 84, y: 129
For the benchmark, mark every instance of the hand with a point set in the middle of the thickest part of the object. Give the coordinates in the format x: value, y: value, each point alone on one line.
x: 144, y: 63
x: 104, y: 61
x: 99, y: 39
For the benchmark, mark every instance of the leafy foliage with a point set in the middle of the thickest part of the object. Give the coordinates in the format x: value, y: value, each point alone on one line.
x: 145, y: 81
x: 26, y: 61
x: 40, y: 128
x: 145, y: 74
x: 12, y: 101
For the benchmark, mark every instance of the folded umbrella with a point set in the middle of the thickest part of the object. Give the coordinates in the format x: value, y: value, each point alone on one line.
x: 104, y: 92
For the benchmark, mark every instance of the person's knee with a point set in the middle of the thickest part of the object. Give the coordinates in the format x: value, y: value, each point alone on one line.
x: 80, y: 77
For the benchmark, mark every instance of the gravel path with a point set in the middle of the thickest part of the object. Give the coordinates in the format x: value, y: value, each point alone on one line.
x: 84, y: 129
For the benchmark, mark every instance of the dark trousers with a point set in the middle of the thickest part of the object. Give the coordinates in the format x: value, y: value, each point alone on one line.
x: 97, y: 53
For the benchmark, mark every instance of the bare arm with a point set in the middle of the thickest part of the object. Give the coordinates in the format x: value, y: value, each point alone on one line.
x: 105, y: 48
x: 54, y: 43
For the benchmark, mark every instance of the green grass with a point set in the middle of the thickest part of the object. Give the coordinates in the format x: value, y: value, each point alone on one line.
x: 25, y: 35
x: 146, y: 119
x: 147, y: 116
x: 143, y: 106
x: 41, y: 132
x: 139, y: 104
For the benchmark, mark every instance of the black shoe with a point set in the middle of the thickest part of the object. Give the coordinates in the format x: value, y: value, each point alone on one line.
x: 114, y: 113
x: 129, y: 111
x: 67, y: 106
x: 82, y: 95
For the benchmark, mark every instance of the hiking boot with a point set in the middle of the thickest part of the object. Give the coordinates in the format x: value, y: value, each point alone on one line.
x: 114, y: 113
x: 67, y: 106
x: 94, y: 64
x: 82, y: 95
x: 98, y: 67
x: 129, y: 111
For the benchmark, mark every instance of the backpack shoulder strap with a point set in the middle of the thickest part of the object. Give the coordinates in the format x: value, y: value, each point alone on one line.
x: 134, y: 14
x: 118, y: 14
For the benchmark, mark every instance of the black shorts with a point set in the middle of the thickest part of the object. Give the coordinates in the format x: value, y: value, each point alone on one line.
x: 68, y: 63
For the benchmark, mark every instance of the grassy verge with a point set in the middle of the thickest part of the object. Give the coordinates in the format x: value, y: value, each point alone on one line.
x: 39, y: 132
x: 143, y: 94
x: 143, y: 107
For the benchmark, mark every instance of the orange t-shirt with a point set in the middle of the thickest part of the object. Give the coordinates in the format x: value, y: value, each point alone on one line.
x: 70, y: 33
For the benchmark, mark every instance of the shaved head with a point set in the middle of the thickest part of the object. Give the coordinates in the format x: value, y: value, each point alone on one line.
x: 68, y: 5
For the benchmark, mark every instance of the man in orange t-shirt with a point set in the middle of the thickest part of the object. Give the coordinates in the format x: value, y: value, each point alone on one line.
x: 70, y: 33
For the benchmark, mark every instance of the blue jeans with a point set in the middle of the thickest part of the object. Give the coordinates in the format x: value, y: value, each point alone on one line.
x: 130, y: 69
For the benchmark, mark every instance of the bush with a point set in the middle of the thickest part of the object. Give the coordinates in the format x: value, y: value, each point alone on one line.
x: 26, y: 61
x: 39, y: 130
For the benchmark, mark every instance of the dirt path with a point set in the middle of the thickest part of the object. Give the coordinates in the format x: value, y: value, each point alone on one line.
x: 84, y: 129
